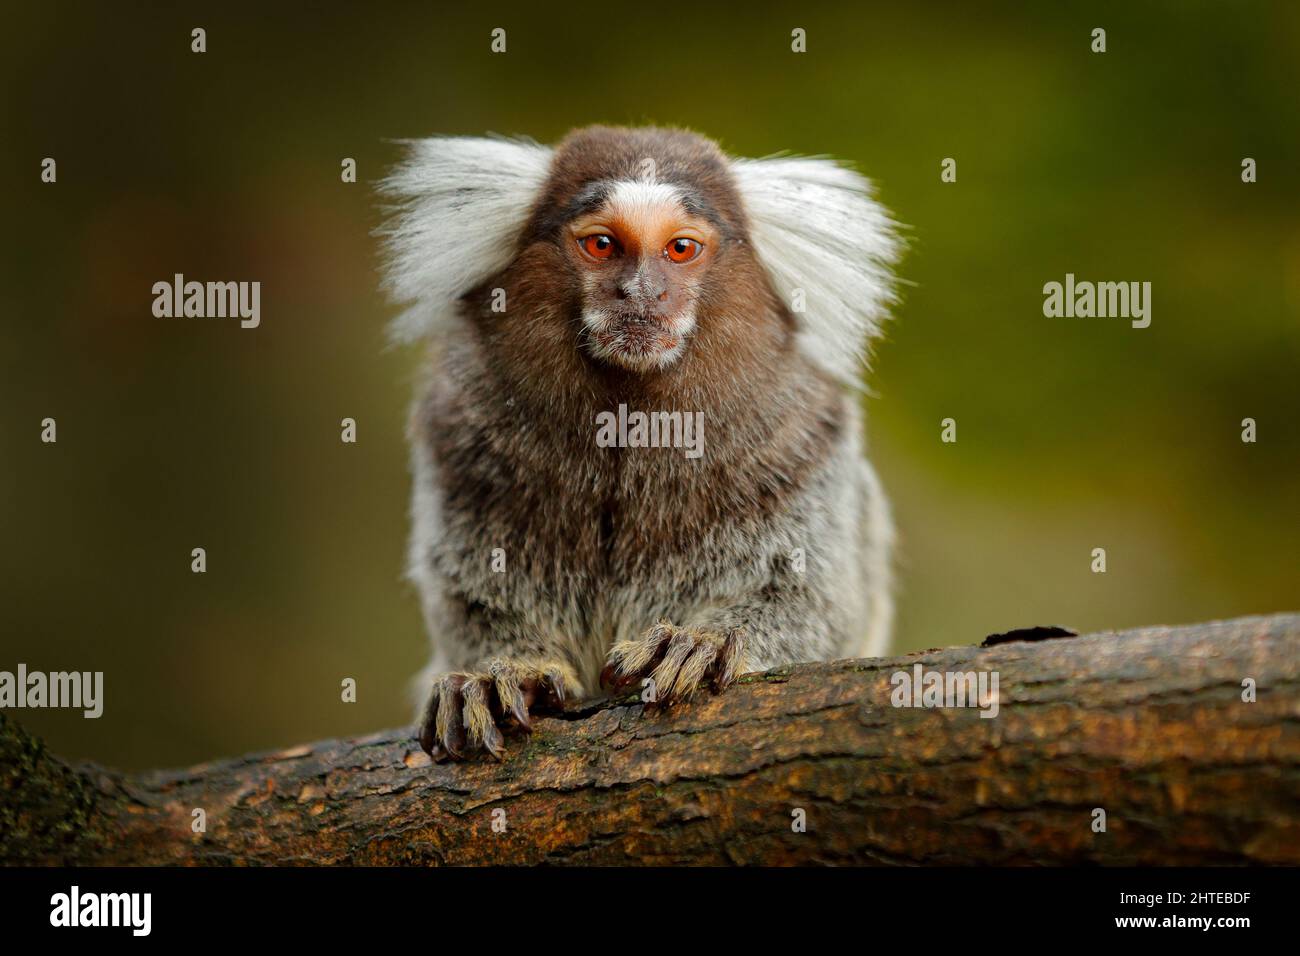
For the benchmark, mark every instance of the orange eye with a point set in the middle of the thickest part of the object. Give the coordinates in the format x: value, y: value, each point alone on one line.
x: 682, y: 250
x: 599, y: 246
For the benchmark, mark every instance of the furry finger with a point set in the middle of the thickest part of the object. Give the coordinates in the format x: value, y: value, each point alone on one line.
x: 481, y: 729
x: 510, y: 691
x: 629, y: 660
x: 665, y: 675
x: 692, y: 671
x: 730, y: 661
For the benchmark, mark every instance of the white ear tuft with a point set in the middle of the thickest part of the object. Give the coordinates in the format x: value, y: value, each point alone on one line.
x: 460, y: 205
x: 816, y: 228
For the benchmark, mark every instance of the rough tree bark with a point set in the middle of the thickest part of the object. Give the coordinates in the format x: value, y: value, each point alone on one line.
x: 1149, y: 725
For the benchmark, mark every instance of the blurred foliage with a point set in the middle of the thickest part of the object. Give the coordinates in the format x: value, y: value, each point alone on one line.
x: 1073, y: 433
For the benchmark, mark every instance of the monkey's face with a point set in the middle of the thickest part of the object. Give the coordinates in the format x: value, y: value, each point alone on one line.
x: 642, y: 258
x: 641, y: 250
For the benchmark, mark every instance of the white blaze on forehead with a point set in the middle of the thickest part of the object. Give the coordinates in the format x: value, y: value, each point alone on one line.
x: 640, y: 202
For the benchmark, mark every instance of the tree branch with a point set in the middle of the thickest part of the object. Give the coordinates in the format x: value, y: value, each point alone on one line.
x: 1148, y: 725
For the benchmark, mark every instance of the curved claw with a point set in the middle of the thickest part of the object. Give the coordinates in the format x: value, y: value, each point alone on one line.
x: 730, y: 660
x: 554, y: 685
x: 450, y: 724
x: 425, y: 733
x: 519, y: 709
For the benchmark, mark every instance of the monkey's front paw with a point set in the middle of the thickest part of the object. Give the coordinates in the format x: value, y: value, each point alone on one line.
x: 466, y: 711
x: 677, y: 660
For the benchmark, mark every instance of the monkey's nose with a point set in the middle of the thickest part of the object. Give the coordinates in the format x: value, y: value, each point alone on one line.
x: 642, y: 288
x: 643, y: 297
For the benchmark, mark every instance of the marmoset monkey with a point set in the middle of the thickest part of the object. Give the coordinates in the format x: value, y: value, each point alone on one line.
x: 635, y: 271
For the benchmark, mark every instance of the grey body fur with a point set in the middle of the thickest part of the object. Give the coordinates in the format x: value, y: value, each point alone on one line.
x: 567, y: 592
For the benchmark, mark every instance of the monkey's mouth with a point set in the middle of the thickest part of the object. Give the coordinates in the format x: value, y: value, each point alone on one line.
x: 637, y: 342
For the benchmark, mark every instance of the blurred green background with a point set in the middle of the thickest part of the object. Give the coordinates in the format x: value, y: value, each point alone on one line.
x: 180, y: 433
